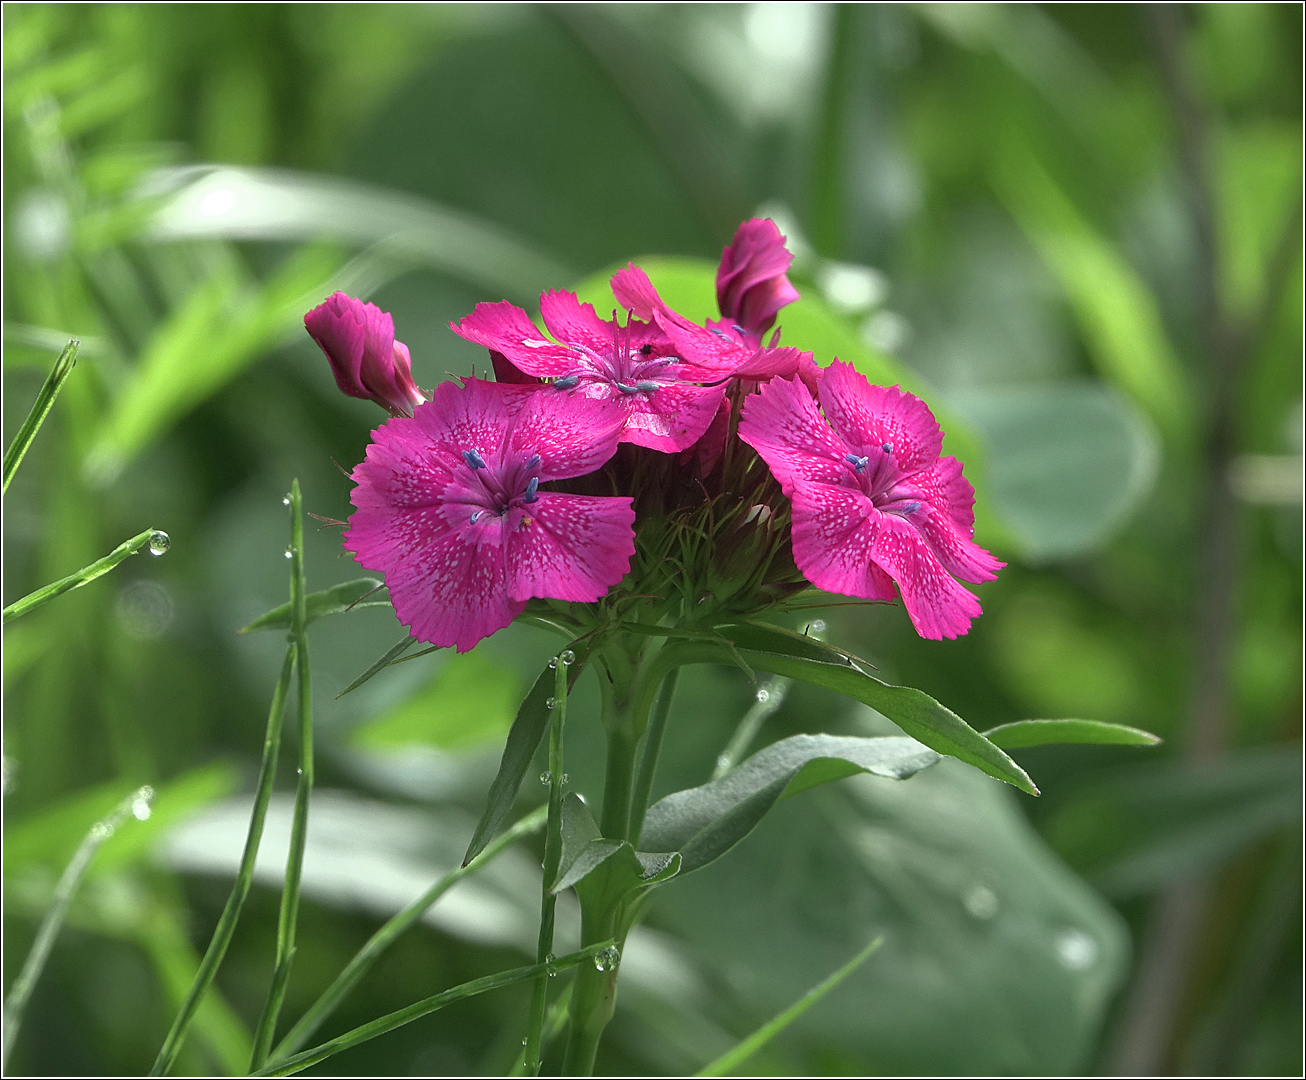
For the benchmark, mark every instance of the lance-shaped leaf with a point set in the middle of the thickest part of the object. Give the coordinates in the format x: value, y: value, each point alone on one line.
x: 523, y: 740
x: 584, y: 850
x: 783, y: 652
x: 1047, y: 732
x: 703, y: 823
x: 345, y: 597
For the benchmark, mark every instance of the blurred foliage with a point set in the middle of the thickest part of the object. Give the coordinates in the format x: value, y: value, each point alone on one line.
x: 990, y: 204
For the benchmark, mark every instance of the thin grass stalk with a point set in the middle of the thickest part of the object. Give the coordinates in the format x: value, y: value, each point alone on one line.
x: 648, y: 761
x: 427, y: 1005
x: 770, y: 696
x: 552, y: 858
x: 553, y: 1025
x: 226, y: 927
x: 151, y: 538
x: 63, y: 367
x: 288, y: 919
x: 72, y: 876
x: 379, y: 942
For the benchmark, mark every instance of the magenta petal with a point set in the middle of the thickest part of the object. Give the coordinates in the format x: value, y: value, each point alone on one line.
x: 866, y: 417
x: 958, y: 554
x: 937, y: 605
x: 706, y: 355
x: 339, y: 326
x: 473, y: 416
x: 573, y: 435
x: 505, y: 328
x: 943, y: 487
x: 751, y: 285
x: 635, y: 293
x: 670, y: 418
x: 570, y: 547
x: 834, y: 537
x: 783, y: 425
x: 575, y: 323
x: 712, y: 444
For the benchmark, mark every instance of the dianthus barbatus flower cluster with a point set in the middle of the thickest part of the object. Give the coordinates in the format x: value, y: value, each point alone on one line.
x: 650, y: 468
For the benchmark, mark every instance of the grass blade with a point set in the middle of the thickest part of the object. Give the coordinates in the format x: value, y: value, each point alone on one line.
x: 155, y: 540
x: 427, y: 1005
x: 391, y: 655
x: 735, y: 1057
x: 135, y: 805
x: 1023, y: 733
x: 288, y: 920
x: 244, y: 877
x: 63, y: 367
x: 389, y: 932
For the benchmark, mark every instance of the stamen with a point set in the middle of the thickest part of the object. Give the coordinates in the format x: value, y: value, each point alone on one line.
x: 533, y: 462
x: 531, y: 490
x: 626, y: 389
x: 911, y: 507
x: 887, y: 448
x: 647, y: 386
x: 473, y: 459
x: 718, y: 331
x: 476, y: 516
x: 566, y: 382
x: 858, y: 463
x: 737, y: 329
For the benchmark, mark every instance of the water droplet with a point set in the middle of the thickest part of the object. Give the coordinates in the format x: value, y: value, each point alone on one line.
x: 141, y: 803
x: 819, y: 626
x: 568, y: 657
x: 763, y: 696
x: 1075, y: 949
x: 980, y: 901
x: 553, y: 664
x: 550, y: 967
x: 159, y: 542
x: 722, y: 762
x: 546, y: 778
x: 607, y: 959
x: 551, y: 703
x: 566, y: 779
x: 285, y: 501
x: 290, y: 553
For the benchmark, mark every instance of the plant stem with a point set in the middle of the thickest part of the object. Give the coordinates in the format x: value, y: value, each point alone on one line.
x: 421, y: 1008
x: 53, y: 921
x: 389, y: 932
x: 552, y: 857
x: 289, y: 917
x: 618, y: 783
x: 83, y: 576
x: 63, y: 367
x: 648, y: 759
x: 226, y: 927
x: 770, y: 696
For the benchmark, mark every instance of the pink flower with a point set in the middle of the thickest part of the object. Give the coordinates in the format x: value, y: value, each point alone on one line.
x: 751, y: 283
x: 359, y: 341
x: 873, y: 502
x: 634, y: 367
x: 449, y: 508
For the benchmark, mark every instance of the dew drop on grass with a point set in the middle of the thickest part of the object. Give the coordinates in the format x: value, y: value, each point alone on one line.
x: 551, y: 703
x: 818, y: 626
x: 290, y: 553
x: 1075, y: 949
x: 159, y: 542
x: 550, y: 966
x: 607, y: 959
x: 285, y: 501
x: 763, y: 696
x: 553, y: 663
x: 546, y: 778
x: 568, y: 657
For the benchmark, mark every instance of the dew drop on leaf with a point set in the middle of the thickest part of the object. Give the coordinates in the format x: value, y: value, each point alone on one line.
x: 159, y: 542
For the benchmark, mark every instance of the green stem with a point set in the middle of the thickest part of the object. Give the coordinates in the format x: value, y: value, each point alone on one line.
x: 53, y: 921
x: 63, y: 367
x: 770, y: 696
x: 594, y: 999
x: 648, y: 759
x: 422, y: 1008
x: 86, y: 574
x: 217, y: 949
x: 552, y: 857
x: 288, y: 920
x: 388, y: 933
x: 618, y: 784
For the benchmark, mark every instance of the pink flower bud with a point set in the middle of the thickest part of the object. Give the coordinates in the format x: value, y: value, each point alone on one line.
x: 367, y: 361
x: 751, y: 284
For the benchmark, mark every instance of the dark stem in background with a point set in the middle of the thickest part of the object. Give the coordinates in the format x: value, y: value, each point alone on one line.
x: 1145, y: 1042
x: 828, y: 174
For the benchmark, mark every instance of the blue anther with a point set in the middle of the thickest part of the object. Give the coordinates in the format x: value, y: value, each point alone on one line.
x: 531, y: 490
x: 566, y: 382
x: 911, y: 507
x: 533, y: 462
x: 476, y: 516
x: 626, y: 389
x: 718, y: 331
x: 648, y: 386
x: 858, y: 463
x: 473, y: 459
x: 737, y: 329
x: 887, y: 448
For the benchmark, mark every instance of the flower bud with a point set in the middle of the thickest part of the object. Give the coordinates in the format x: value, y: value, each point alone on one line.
x: 367, y: 361
x: 751, y: 283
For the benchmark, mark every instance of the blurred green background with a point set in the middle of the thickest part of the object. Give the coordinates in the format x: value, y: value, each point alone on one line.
x: 1074, y: 229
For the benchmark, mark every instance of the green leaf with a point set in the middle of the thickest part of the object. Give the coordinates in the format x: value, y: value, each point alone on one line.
x: 471, y: 700
x: 63, y: 367
x: 795, y: 656
x: 584, y: 850
x: 703, y: 823
x: 390, y: 656
x: 1045, y: 732
x: 736, y: 1056
x: 523, y: 740
x: 347, y: 596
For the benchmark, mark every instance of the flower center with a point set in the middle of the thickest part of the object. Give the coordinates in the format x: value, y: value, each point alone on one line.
x: 876, y: 475
x: 630, y: 370
x: 496, y: 490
